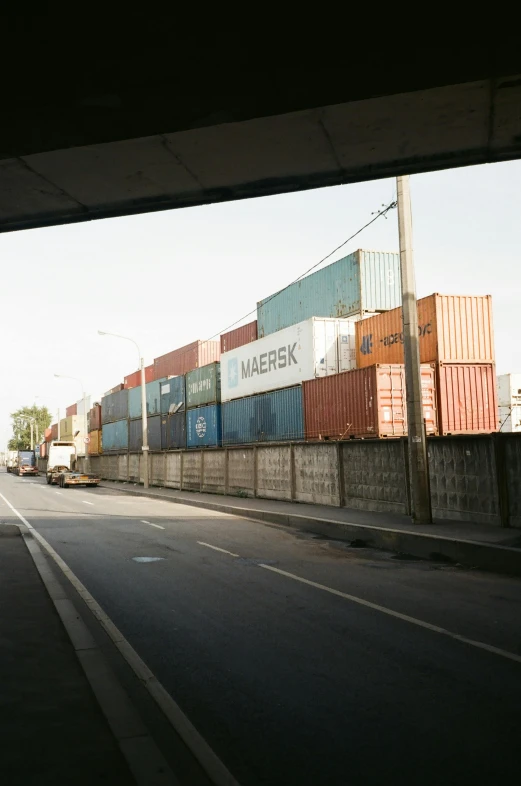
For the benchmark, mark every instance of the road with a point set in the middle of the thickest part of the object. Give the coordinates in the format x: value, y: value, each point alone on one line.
x: 290, y: 654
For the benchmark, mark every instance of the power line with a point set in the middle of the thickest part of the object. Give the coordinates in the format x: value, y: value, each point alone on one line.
x: 377, y: 215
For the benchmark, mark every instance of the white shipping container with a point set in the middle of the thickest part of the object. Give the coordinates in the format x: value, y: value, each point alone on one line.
x: 313, y: 348
x: 509, y: 401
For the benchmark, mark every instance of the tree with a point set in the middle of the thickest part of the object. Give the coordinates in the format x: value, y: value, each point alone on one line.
x: 21, y: 439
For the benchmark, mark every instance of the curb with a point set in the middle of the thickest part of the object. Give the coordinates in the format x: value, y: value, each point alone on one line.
x: 474, y: 554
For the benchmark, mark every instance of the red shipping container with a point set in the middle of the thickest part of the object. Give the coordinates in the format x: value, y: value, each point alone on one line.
x: 467, y: 398
x: 95, y: 418
x: 365, y: 402
x: 184, y: 359
x: 134, y: 380
x: 48, y: 434
x: 239, y: 337
x: 72, y: 410
x: 54, y: 431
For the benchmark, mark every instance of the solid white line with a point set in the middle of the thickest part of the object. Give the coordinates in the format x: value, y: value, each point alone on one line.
x: 158, y: 526
x: 219, y: 775
x: 216, y: 548
x: 87, y: 503
x: 405, y: 617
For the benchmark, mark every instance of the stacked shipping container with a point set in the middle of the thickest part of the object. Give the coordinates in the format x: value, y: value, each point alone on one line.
x: 184, y: 359
x: 300, y: 371
x: 456, y: 333
x: 365, y: 281
x: 509, y: 400
x: 203, y: 405
x: 366, y: 402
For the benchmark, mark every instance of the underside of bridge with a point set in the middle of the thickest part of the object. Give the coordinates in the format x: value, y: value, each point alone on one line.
x: 127, y: 131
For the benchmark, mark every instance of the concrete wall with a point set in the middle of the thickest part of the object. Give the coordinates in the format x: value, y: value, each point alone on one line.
x: 473, y: 478
x: 374, y: 475
x: 463, y: 479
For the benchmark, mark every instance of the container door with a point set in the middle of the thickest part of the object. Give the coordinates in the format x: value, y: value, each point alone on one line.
x: 346, y: 347
x: 430, y: 413
x: 331, y: 331
x: 391, y: 401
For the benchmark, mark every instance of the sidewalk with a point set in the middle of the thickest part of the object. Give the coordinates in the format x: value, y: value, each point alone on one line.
x: 51, y: 727
x: 475, y: 545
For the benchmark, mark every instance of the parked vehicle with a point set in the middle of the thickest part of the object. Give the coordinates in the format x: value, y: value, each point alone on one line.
x: 12, y: 455
x: 26, y: 463
x: 61, y: 467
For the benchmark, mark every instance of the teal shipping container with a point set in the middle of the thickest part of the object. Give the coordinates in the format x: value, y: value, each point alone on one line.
x: 114, y: 406
x: 173, y: 395
x: 115, y: 436
x: 277, y: 416
x: 364, y: 281
x: 153, y: 394
x: 135, y: 430
x: 203, y: 385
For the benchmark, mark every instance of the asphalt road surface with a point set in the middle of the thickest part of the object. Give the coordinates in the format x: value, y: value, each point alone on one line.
x: 300, y: 660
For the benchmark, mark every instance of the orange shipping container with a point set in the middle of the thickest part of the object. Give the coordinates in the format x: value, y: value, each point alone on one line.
x: 452, y: 329
x: 95, y: 447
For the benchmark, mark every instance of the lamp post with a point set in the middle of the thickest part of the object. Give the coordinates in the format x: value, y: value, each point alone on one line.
x: 144, y: 424
x: 80, y: 383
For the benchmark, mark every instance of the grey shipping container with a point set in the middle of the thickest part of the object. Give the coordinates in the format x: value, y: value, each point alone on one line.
x: 114, y: 407
x: 136, y: 434
x: 365, y: 281
x: 203, y: 385
x: 269, y: 417
x: 114, y: 436
x: 173, y: 435
x: 153, y: 394
x: 203, y: 426
x: 173, y: 395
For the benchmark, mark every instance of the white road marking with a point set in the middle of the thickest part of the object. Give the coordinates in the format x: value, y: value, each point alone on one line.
x: 405, y: 617
x: 216, y: 548
x: 58, y: 492
x: 87, y: 503
x: 209, y: 761
x: 158, y: 526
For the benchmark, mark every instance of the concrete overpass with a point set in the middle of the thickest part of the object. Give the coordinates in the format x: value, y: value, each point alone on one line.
x: 118, y: 134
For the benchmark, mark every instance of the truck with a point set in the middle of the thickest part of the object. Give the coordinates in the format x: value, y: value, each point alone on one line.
x: 61, y: 467
x: 25, y: 463
x: 12, y: 455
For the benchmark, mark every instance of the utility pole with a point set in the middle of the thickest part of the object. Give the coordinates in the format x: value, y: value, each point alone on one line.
x: 31, y: 424
x: 418, y: 464
x: 144, y: 425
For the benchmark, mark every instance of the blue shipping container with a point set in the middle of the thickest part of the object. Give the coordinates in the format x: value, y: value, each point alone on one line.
x: 203, y: 426
x: 153, y: 394
x: 114, y: 436
x: 173, y: 395
x: 176, y: 431
x: 269, y: 417
x: 362, y: 281
x: 136, y: 434
x: 114, y: 407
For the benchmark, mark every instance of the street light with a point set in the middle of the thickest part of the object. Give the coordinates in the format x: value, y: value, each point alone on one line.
x: 85, y: 427
x: 143, y: 402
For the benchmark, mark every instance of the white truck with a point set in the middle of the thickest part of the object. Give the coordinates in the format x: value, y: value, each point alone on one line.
x: 61, y: 467
x: 12, y: 457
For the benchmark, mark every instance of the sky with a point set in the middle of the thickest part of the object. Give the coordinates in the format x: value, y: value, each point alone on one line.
x: 169, y: 278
